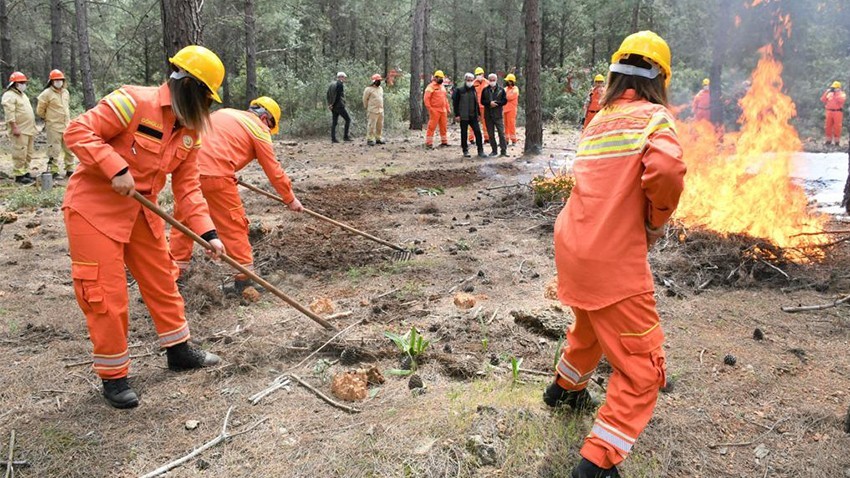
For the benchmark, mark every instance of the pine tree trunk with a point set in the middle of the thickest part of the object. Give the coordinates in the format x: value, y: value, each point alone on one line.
x: 533, y: 112
x: 416, y: 64
x: 427, y: 64
x: 636, y: 17
x: 81, y: 11
x: 386, y: 54
x: 5, y: 44
x: 181, y: 25
x: 73, y: 68
x: 56, y: 35
x: 250, y: 52
x: 147, y: 55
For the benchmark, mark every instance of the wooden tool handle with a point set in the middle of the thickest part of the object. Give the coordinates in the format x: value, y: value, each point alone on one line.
x: 230, y: 261
x: 323, y: 218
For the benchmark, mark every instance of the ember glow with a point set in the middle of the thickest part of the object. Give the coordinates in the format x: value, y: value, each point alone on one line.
x: 744, y: 186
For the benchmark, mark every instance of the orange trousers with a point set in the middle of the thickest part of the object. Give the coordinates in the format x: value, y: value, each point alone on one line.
x: 589, y: 116
x: 510, y: 125
x: 833, y: 125
x: 435, y: 118
x: 231, y: 223
x: 100, y: 284
x: 471, y: 137
x: 702, y: 114
x: 629, y: 334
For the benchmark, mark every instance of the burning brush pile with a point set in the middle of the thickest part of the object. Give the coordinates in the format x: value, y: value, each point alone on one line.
x: 741, y: 218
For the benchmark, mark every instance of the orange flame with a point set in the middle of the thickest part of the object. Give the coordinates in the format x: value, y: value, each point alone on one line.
x: 742, y: 184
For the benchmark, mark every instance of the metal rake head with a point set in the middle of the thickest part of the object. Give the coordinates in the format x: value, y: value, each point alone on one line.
x: 402, y: 256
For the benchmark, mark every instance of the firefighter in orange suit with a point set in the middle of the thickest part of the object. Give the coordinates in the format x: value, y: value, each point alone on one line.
x: 480, y: 83
x: 235, y: 139
x: 701, y: 105
x: 130, y: 142
x: 629, y: 176
x: 591, y: 104
x: 833, y: 100
x: 510, y: 110
x: 437, y: 104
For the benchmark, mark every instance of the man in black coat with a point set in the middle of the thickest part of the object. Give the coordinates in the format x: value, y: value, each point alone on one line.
x: 465, y: 104
x: 336, y: 103
x: 493, y: 98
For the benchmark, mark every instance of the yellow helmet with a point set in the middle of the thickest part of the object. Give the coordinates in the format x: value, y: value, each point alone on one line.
x: 439, y: 74
x: 510, y: 77
x: 650, y: 46
x: 836, y: 84
x: 706, y: 82
x: 203, y: 64
x: 479, y: 71
x: 272, y: 107
x: 598, y: 78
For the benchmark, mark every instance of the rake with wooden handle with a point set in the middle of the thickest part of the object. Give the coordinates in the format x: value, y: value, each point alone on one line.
x: 401, y: 253
x: 231, y: 262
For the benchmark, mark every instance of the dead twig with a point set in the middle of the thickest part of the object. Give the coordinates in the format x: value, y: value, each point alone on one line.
x: 327, y: 343
x: 808, y: 308
x: 222, y: 437
x: 10, y: 463
x: 750, y: 442
x: 278, y: 383
x: 373, y: 299
x: 339, y: 315
x: 324, y: 397
x: 776, y: 268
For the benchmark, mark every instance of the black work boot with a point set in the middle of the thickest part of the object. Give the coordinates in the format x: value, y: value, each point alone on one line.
x: 24, y: 179
x: 380, y: 141
x: 481, y: 153
x: 466, y: 154
x: 239, y: 285
x: 555, y: 396
x: 119, y: 394
x: 184, y: 357
x: 586, y: 469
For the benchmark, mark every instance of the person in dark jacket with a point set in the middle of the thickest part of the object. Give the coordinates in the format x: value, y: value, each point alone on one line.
x: 336, y: 103
x: 465, y: 104
x: 493, y: 98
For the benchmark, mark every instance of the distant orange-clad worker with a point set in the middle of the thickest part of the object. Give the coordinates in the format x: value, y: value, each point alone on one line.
x: 510, y: 110
x: 437, y: 104
x: 629, y: 176
x: 130, y: 142
x: 234, y: 140
x: 701, y: 105
x: 591, y: 104
x: 833, y: 100
x: 479, y: 84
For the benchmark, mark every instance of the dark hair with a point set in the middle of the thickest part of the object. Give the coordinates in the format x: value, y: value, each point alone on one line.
x: 654, y: 91
x: 190, y: 100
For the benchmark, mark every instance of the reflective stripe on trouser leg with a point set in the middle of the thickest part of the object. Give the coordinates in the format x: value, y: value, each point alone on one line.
x: 580, y: 355
x: 631, y: 338
x: 100, y: 285
x: 148, y: 259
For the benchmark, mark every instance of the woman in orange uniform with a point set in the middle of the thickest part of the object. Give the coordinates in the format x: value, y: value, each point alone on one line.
x: 129, y: 142
x: 833, y: 100
x: 701, y: 104
x: 591, y: 104
x: 437, y: 104
x: 510, y: 110
x: 235, y: 139
x: 629, y: 176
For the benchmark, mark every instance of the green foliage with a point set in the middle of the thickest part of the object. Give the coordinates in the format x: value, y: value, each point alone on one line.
x: 412, y: 343
x: 516, y: 363
x: 31, y: 198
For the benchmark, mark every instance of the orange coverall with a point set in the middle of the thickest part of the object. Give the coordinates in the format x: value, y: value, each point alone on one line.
x: 629, y: 173
x: 234, y: 140
x: 479, y: 87
x: 509, y: 112
x: 593, y: 106
x: 438, y: 107
x: 133, y: 127
x: 702, y: 105
x: 833, y: 100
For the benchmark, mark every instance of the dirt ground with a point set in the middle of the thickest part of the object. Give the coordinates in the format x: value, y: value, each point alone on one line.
x: 779, y: 411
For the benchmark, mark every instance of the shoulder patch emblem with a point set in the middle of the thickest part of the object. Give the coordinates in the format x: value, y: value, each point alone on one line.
x: 188, y: 141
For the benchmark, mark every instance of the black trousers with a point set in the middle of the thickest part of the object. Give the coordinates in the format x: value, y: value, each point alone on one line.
x: 336, y: 114
x: 497, y: 123
x: 464, y: 137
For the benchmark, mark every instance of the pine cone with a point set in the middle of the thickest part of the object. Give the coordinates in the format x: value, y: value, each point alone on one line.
x: 415, y: 382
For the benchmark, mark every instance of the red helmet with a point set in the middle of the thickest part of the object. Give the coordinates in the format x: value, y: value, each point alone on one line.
x: 18, y: 77
x: 376, y: 77
x: 57, y: 75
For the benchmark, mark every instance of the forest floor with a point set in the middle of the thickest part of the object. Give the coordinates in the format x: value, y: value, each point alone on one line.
x: 778, y: 412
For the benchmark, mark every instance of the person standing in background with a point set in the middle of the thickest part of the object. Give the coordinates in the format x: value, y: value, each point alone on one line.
x: 54, y: 105
x: 373, y: 102
x: 336, y: 103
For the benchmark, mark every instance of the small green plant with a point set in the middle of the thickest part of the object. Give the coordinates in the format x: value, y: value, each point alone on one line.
x: 555, y: 188
x: 515, y: 364
x: 412, y: 344
x: 462, y: 245
x: 437, y: 191
x: 31, y: 198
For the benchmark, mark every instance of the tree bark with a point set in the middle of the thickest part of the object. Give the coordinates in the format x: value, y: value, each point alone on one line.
x: 81, y: 12
x: 419, y: 7
x: 427, y: 63
x: 56, y: 35
x: 386, y: 54
x: 636, y: 16
x: 533, y: 112
x: 73, y: 68
x: 250, y: 52
x: 722, y: 26
x: 181, y: 25
x: 147, y: 55
x: 5, y: 44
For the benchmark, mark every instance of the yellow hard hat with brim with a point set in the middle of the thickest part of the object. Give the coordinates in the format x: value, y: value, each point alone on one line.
x: 439, y: 74
x: 272, y: 107
x: 510, y: 77
x: 836, y: 84
x: 650, y: 46
x: 202, y: 64
x: 598, y: 78
x: 479, y: 71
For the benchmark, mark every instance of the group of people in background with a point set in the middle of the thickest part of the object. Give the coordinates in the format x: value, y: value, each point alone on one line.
x: 54, y: 107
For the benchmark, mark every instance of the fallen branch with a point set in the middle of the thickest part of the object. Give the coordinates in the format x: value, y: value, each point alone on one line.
x: 277, y: 384
x: 339, y: 315
x: 774, y: 267
x: 324, y: 397
x: 808, y: 308
x: 222, y: 437
x: 373, y: 299
x: 754, y: 440
x: 89, y: 362
x: 10, y: 463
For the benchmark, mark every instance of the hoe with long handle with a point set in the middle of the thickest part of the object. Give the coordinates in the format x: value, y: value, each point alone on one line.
x: 230, y: 261
x: 404, y: 254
